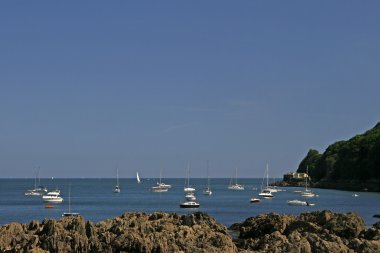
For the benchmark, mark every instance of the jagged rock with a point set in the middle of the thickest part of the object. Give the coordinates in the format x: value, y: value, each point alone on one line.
x: 320, y: 231
x: 131, y: 232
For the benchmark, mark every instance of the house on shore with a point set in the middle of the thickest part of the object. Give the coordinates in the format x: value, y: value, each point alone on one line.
x: 295, y: 176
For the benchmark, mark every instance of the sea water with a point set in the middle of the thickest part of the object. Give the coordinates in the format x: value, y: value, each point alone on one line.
x: 95, y: 200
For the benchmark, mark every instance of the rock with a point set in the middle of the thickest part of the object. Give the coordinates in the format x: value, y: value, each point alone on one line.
x: 320, y: 231
x: 264, y: 224
x: 131, y: 232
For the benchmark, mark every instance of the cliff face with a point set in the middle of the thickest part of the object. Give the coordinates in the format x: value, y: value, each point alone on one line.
x: 350, y: 165
x: 131, y: 232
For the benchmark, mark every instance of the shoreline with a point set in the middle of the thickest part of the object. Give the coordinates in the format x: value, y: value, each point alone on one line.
x: 343, y: 185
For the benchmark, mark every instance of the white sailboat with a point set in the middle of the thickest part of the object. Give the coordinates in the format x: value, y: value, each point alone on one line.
x: 187, y: 187
x: 117, y: 186
x: 307, y: 193
x: 137, y: 177
x: 160, y: 187
x: 69, y: 213
x: 207, y: 190
x: 235, y: 186
x: 265, y: 192
x: 163, y: 185
x: 37, y: 190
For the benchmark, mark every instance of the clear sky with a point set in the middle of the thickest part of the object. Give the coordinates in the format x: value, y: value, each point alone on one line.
x: 88, y: 86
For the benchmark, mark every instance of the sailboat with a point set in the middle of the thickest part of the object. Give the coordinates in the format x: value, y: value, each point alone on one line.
x: 307, y: 193
x: 160, y: 187
x: 207, y: 190
x: 187, y: 187
x: 37, y: 190
x: 265, y: 192
x: 117, y: 187
x: 163, y: 185
x: 69, y: 213
x: 137, y: 177
x: 235, y: 186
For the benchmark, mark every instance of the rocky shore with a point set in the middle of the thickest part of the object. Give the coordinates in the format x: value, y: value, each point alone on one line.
x: 321, y: 231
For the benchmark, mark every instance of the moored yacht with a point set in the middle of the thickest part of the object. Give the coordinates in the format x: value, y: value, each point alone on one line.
x: 189, y: 204
x: 190, y: 196
x: 117, y: 186
x: 297, y: 202
x: 266, y: 194
x: 159, y: 189
x: 234, y: 185
x: 69, y: 213
x: 37, y: 190
x: 187, y: 187
x: 53, y: 197
x: 254, y: 200
x: 307, y: 193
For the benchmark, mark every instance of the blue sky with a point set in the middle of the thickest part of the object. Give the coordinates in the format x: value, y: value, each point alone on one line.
x: 86, y: 87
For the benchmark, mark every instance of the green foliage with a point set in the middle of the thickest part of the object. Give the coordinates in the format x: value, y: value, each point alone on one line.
x: 357, y: 158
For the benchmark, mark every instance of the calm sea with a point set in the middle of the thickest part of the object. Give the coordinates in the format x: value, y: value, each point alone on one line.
x: 94, y: 199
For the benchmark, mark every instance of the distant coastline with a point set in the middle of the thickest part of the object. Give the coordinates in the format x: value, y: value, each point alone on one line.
x: 345, y: 185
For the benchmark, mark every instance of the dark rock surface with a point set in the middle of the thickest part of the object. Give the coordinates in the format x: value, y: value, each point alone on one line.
x: 321, y: 231
x: 131, y: 232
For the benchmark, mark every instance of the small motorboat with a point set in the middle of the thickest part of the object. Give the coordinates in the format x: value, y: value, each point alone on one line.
x: 190, y: 196
x: 308, y: 194
x: 189, y: 204
x: 254, y: 200
x: 355, y: 195
x: 70, y: 214
x: 236, y: 187
x: 159, y: 189
x: 266, y: 194
x: 53, y: 197
x: 207, y: 191
x: 297, y: 202
x: 189, y: 189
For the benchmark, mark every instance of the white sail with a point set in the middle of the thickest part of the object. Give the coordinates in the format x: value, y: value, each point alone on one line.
x: 117, y: 186
x: 137, y: 177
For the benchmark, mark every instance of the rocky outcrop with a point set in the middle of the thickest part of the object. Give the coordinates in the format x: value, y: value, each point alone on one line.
x: 321, y: 231
x: 131, y: 232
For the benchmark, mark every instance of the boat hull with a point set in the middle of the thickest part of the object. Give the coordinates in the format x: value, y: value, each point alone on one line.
x: 57, y: 200
x: 255, y: 200
x: 185, y: 205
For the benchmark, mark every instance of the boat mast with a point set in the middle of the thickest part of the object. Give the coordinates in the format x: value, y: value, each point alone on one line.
x: 188, y: 175
x: 208, y: 176
x: 69, y: 198
x: 267, y: 175
x: 117, y: 177
x: 307, y: 173
x: 236, y: 176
